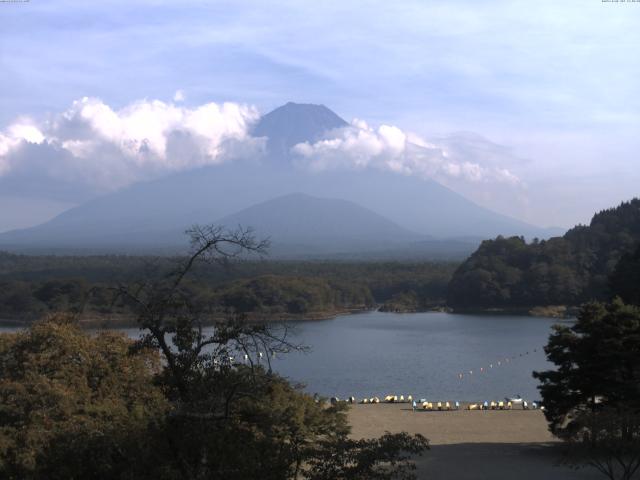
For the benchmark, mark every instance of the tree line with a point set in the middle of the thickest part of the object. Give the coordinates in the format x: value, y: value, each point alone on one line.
x: 567, y: 270
x: 508, y: 273
x: 33, y: 286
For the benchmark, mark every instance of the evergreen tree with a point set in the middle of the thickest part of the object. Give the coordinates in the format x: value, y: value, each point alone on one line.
x: 592, y: 398
x: 625, y: 280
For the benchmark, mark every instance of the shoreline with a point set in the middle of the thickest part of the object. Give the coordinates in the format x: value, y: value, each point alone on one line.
x: 561, y: 312
x: 96, y: 321
x: 128, y: 321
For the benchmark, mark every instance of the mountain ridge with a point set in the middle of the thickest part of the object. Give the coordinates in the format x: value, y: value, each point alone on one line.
x: 145, y: 212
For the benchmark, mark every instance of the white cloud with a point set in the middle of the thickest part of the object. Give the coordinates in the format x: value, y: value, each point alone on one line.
x: 93, y: 143
x: 178, y: 96
x: 461, y: 157
x: 95, y: 147
x: 21, y: 131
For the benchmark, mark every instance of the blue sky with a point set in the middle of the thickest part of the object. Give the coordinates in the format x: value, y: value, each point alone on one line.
x: 555, y: 83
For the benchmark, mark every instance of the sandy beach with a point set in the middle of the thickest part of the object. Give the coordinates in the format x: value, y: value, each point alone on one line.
x: 473, y: 444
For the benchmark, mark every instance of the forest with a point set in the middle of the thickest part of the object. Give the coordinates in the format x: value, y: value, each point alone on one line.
x: 567, y: 270
x: 31, y: 286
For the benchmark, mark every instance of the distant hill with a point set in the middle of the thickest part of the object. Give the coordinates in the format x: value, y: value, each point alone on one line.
x: 300, y: 222
x: 567, y: 270
x: 150, y: 215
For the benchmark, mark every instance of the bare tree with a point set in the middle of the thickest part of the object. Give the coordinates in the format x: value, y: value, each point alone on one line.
x: 231, y: 416
x: 195, y: 346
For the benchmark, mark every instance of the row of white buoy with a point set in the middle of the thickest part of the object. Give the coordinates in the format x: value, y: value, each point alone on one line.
x: 499, y: 363
x: 229, y: 360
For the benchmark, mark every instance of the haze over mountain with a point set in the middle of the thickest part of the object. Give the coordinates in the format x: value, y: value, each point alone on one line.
x: 302, y: 223
x: 150, y: 214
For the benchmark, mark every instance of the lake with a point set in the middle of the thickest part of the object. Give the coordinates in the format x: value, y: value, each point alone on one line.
x: 422, y: 354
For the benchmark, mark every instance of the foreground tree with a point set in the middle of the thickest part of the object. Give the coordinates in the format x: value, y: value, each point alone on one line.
x: 592, y: 399
x: 215, y: 407
x: 74, y: 405
x: 387, y: 457
x: 232, y: 416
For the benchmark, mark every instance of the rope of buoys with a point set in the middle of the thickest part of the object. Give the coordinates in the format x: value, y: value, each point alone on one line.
x: 505, y: 360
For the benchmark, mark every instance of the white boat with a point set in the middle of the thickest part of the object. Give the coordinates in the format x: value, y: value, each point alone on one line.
x: 515, y: 400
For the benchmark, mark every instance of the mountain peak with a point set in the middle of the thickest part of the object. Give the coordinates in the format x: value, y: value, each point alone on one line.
x: 304, y: 107
x: 295, y: 123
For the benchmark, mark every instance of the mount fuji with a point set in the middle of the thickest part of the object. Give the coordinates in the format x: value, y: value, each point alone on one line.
x: 328, y: 211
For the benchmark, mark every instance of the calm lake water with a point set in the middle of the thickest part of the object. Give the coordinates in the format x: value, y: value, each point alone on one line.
x: 421, y: 354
